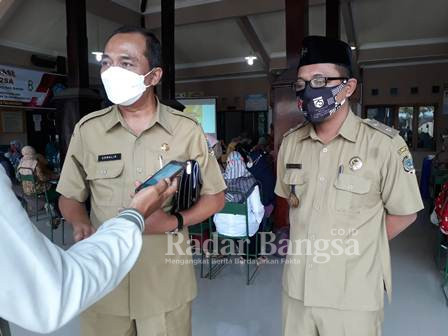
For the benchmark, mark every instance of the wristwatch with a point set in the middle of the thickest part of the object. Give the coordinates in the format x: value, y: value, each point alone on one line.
x: 180, y: 221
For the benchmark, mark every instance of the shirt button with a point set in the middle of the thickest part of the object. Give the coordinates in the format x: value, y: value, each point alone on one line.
x: 322, y: 179
x: 139, y: 170
x: 350, y: 187
x: 325, y: 150
x: 104, y: 171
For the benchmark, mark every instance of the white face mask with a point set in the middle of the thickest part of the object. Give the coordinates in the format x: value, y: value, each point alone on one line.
x: 123, y: 87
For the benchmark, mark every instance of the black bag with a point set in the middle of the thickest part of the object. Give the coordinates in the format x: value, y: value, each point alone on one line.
x: 189, y: 190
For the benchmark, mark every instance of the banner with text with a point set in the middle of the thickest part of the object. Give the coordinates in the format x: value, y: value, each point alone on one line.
x: 29, y: 88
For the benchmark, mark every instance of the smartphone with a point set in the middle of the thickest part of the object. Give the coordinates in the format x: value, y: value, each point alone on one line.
x: 172, y: 169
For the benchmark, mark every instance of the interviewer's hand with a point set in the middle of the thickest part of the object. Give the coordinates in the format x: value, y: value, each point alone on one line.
x: 149, y: 199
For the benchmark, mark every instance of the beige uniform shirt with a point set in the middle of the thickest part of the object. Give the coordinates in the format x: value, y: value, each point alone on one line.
x: 341, y: 258
x: 103, y: 161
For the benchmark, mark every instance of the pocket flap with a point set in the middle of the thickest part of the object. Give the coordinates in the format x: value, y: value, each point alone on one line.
x: 105, y: 170
x: 295, y: 177
x: 352, y: 183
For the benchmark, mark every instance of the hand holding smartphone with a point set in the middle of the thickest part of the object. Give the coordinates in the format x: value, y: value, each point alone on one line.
x: 169, y: 171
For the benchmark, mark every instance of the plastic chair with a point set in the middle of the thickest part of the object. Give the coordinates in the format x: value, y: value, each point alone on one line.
x: 235, y: 209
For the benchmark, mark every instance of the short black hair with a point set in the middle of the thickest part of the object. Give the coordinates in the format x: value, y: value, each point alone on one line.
x: 153, y: 47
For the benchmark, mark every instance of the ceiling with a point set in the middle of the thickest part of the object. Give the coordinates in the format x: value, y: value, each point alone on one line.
x: 213, y: 36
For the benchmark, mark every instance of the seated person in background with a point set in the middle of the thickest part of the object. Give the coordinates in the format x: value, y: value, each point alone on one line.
x: 37, y: 164
x: 261, y: 145
x: 32, y: 163
x: 230, y: 148
x: 440, y: 160
x: 13, y: 154
x: 260, y: 165
x: 241, y: 185
x: 215, y: 146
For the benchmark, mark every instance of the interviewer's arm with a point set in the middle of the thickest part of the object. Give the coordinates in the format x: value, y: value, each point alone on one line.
x: 43, y: 286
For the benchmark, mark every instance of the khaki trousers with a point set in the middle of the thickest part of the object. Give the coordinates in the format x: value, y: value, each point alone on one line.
x: 173, y: 323
x: 299, y: 320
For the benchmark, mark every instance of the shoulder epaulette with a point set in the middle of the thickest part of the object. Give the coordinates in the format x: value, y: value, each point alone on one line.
x: 183, y: 114
x: 292, y: 130
x: 95, y: 115
x: 389, y: 131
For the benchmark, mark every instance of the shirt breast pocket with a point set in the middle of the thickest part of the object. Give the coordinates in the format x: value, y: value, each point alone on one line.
x: 297, y: 181
x: 351, y: 193
x: 106, y: 182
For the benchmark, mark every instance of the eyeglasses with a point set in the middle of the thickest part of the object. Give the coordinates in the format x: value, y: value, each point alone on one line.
x: 316, y: 82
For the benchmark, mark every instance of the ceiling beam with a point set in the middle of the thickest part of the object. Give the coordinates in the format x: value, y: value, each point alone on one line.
x: 224, y: 9
x: 347, y: 17
x: 219, y: 70
x: 332, y: 24
x: 251, y: 36
x: 7, y: 9
x: 112, y: 11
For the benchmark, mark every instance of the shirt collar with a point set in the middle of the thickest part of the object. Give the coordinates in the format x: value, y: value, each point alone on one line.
x: 161, y: 118
x: 349, y: 129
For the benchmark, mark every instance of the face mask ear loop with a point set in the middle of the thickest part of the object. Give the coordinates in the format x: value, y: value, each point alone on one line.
x: 147, y: 86
x: 338, y: 105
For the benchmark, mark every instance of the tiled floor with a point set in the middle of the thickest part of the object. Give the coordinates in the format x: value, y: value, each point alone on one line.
x: 226, y: 306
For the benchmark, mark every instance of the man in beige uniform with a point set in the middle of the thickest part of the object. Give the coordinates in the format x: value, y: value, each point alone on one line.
x: 351, y: 187
x: 112, y: 148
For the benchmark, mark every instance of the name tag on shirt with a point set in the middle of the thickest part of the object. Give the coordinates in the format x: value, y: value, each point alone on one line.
x: 293, y: 166
x: 109, y: 157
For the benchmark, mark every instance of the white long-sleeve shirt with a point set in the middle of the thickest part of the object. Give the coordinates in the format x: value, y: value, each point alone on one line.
x: 42, y: 287
x: 235, y: 225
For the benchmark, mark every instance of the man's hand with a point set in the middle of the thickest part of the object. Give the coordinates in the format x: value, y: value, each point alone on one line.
x: 75, y: 213
x: 149, y: 199
x: 82, y: 231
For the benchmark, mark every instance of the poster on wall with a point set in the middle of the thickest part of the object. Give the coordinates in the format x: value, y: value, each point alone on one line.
x: 12, y: 122
x: 28, y: 88
x: 204, y: 111
x: 445, y: 100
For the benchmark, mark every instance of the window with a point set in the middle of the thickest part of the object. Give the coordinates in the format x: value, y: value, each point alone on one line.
x: 425, y: 138
x: 414, y: 122
x: 383, y: 114
x: 405, y: 123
